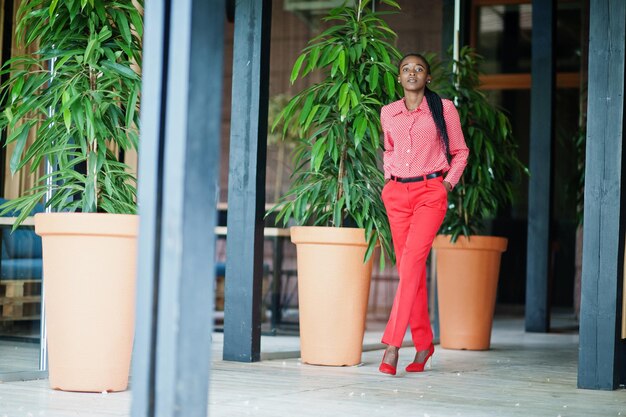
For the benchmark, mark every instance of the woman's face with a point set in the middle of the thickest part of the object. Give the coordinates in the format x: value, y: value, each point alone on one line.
x: 413, y: 74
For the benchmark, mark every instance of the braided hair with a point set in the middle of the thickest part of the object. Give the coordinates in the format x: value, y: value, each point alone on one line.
x: 435, y: 104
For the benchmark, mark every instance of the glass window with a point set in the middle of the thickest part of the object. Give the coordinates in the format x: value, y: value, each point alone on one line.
x: 504, y: 38
x: 568, y: 37
x: 504, y: 35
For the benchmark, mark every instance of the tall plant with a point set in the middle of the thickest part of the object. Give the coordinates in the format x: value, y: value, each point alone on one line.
x: 492, y: 166
x: 79, y: 94
x: 336, y: 175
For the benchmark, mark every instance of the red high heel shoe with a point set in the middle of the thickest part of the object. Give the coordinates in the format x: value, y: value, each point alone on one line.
x: 419, y: 366
x: 385, y: 368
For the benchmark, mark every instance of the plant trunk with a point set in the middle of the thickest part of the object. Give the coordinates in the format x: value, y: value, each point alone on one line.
x: 92, y: 163
x: 337, y: 222
x: 460, y: 203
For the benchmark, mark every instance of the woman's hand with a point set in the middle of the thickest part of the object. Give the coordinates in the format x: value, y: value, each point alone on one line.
x: 447, y: 185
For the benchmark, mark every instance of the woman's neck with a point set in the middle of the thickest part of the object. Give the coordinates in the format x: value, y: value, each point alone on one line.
x: 412, y: 99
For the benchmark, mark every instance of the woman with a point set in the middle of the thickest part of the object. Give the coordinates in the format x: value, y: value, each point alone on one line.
x: 424, y: 158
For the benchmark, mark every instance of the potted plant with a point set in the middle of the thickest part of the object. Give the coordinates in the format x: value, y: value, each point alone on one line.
x: 468, y: 264
x: 78, y: 98
x: 336, y: 182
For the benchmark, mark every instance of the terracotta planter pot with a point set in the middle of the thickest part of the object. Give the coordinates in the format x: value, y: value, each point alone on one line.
x: 333, y: 291
x: 467, y: 281
x: 89, y: 270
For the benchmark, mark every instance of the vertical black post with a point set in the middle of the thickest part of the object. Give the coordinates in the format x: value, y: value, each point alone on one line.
x: 179, y: 172
x: 246, y: 181
x: 539, y: 187
x: 602, y: 351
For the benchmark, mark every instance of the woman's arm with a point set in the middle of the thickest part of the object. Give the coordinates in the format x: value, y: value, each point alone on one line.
x: 388, y: 145
x: 458, y: 148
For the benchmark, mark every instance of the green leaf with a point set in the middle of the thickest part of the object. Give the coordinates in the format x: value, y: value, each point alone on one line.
x: 390, y: 84
x: 17, y: 89
x: 20, y: 143
x: 137, y: 23
x: 311, y: 117
x: 308, y: 105
x: 360, y: 124
x: 337, y: 212
x: 52, y: 8
x: 90, y: 46
x: 373, y: 78
x: 124, y: 27
x: 79, y: 115
x: 296, y: 68
x: 122, y: 70
x: 342, y: 62
x: 333, y: 90
x: 353, y: 98
x: 132, y: 105
x: 317, y: 154
x: 8, y: 114
x: 67, y: 117
x: 343, y: 94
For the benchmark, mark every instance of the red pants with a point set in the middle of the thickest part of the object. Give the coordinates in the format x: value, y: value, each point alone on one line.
x: 415, y: 211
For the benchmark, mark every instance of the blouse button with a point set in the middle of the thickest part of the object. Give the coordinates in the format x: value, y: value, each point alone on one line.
x: 408, y: 150
x: 407, y: 164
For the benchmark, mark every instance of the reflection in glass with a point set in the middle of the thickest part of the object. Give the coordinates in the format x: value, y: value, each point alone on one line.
x: 504, y: 38
x: 20, y: 298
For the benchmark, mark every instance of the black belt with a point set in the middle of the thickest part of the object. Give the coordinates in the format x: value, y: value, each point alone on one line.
x: 416, y: 179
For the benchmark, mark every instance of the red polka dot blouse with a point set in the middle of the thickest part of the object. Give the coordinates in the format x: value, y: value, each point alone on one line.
x: 412, y: 144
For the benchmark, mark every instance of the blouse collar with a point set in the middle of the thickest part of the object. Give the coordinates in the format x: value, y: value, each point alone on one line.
x: 399, y: 107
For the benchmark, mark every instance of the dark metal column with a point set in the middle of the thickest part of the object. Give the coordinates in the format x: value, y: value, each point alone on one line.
x: 602, y: 351
x: 246, y: 181
x: 179, y: 162
x: 539, y: 187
